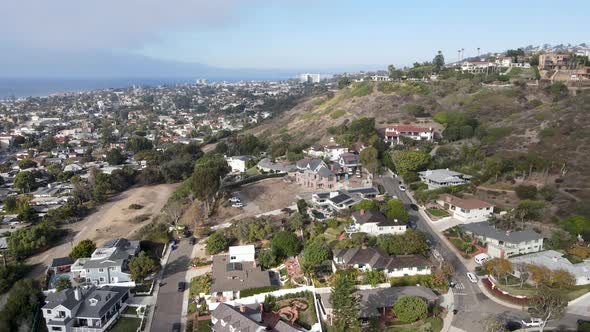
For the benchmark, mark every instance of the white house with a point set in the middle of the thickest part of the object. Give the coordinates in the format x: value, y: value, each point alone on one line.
x: 242, y: 253
x: 443, y: 177
x: 393, y: 134
x: 238, y: 164
x: 343, y: 199
x: 375, y: 223
x: 368, y: 259
x: 478, y: 67
x: 504, y: 243
x: 466, y: 209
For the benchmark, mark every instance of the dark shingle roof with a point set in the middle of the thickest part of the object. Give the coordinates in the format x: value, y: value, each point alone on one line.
x: 363, y: 217
x: 61, y: 261
x: 485, y: 229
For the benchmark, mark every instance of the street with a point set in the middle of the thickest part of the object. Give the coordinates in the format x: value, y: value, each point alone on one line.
x: 471, y: 303
x: 168, y: 308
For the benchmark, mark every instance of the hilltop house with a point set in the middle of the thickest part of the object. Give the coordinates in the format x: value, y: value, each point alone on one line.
x: 343, y: 199
x: 375, y: 223
x: 443, y: 177
x: 78, y: 310
x: 235, y: 272
x: 239, y: 164
x: 466, y: 209
x: 504, y: 243
x: 107, y: 265
x: 393, y: 134
x: 315, y: 174
x: 478, y: 67
x: 368, y: 259
x: 330, y: 152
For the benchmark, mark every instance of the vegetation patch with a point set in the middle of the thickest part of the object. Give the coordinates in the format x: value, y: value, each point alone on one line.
x: 337, y: 113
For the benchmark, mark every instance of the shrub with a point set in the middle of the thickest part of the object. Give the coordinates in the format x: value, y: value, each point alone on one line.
x: 135, y: 206
x: 258, y: 290
x: 409, y: 309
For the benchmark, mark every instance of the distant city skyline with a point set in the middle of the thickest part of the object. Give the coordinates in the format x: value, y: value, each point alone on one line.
x: 154, y: 38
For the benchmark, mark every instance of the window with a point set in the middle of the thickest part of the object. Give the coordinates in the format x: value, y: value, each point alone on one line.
x: 87, y: 271
x: 56, y: 328
x: 101, y: 279
x: 232, y: 257
x: 101, y: 270
x: 49, y: 312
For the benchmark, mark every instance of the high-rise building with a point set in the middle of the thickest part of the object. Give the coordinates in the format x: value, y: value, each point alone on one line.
x: 310, y: 78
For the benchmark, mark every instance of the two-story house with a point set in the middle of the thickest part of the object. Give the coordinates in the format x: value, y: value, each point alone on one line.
x: 107, y: 265
x: 466, y: 209
x: 504, y: 243
x: 315, y: 174
x: 226, y: 318
x: 393, y: 134
x: 343, y: 199
x: 239, y: 164
x: 375, y: 223
x: 83, y: 310
x: 350, y: 163
x: 437, y: 178
x: 369, y: 259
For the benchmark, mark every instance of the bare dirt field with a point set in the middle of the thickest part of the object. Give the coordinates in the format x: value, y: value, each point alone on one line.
x: 112, y: 220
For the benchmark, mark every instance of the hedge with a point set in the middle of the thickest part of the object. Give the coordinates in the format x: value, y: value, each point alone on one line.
x: 258, y: 290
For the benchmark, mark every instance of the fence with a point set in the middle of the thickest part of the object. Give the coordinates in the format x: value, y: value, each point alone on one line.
x: 251, y: 179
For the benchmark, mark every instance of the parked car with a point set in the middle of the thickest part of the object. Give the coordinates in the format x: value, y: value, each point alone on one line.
x: 176, y: 327
x: 235, y: 199
x: 238, y: 205
x: 472, y: 277
x: 181, y: 286
x: 481, y: 258
x: 192, y: 241
x: 402, y: 188
x: 414, y: 207
x: 533, y: 322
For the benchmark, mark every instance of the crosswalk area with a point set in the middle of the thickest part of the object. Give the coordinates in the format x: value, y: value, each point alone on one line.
x: 459, y: 285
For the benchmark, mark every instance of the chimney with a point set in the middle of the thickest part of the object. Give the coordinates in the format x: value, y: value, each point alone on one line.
x: 77, y: 294
x: 362, y: 212
x: 242, y: 308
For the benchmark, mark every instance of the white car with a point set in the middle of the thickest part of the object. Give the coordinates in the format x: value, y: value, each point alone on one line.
x: 235, y: 200
x: 533, y: 322
x: 402, y: 188
x: 237, y: 205
x: 472, y: 277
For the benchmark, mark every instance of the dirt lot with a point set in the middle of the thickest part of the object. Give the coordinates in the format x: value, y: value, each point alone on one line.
x: 113, y: 219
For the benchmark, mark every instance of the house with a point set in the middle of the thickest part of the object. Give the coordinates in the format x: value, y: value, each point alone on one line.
x: 315, y: 174
x: 504, y: 243
x: 369, y: 259
x: 478, y: 67
x: 350, y: 163
x: 503, y: 61
x: 226, y: 318
x: 79, y: 310
x: 61, y: 264
x: 239, y: 163
x: 555, y: 261
x: 330, y: 152
x: 107, y: 265
x: 554, y: 61
x: 393, y: 134
x: 231, y: 276
x: 267, y: 165
x: 375, y: 223
x: 375, y: 302
x: 343, y: 199
x: 466, y: 209
x: 443, y: 177
x: 242, y: 254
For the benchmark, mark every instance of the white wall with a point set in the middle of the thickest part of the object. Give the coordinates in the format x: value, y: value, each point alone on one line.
x: 374, y: 229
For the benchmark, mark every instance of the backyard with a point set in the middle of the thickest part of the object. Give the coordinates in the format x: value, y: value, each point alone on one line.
x: 295, y: 308
x: 126, y: 324
x: 437, y: 213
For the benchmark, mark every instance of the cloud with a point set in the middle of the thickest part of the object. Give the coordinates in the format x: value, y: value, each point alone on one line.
x: 78, y: 25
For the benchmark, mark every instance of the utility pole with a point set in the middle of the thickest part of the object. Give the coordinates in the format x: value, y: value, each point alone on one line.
x: 462, y: 53
x: 478, y: 52
x: 458, y: 55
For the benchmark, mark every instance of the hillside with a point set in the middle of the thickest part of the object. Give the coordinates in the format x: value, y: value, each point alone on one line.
x: 516, y: 122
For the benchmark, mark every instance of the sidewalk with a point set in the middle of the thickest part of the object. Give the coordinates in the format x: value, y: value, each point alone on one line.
x: 580, y: 306
x: 448, y: 302
x: 198, y: 251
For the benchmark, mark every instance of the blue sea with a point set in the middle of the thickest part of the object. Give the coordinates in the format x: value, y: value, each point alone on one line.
x: 39, y: 87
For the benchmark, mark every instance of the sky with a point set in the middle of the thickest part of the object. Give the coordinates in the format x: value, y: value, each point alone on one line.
x: 152, y: 37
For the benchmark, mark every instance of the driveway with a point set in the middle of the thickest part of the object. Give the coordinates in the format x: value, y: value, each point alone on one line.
x: 472, y: 304
x: 445, y: 223
x: 168, y: 308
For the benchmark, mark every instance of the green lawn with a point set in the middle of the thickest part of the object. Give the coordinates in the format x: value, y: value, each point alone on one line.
x: 252, y: 171
x: 130, y: 310
x: 438, y: 213
x: 204, y: 325
x: 125, y: 324
x: 434, y: 324
x: 529, y: 290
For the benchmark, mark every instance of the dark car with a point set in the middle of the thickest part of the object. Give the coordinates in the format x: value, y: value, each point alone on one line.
x: 176, y: 327
x: 192, y: 240
x: 513, y: 326
x: 414, y: 207
x: 181, y: 286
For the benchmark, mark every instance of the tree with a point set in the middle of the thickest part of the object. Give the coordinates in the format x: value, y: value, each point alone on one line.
x: 407, y: 161
x: 577, y: 225
x: 540, y: 274
x: 47, y: 144
x: 394, y: 73
x: 343, y: 82
x: 206, y: 178
x: 115, y: 157
x: 491, y: 323
x: 395, y: 210
x: 526, y: 192
x: 142, y: 266
x: 548, y: 305
x: 26, y: 163
x: 523, y: 273
x: 286, y: 244
x: 370, y: 159
x: 217, y: 243
x: 9, y: 274
x: 562, y: 279
x: 315, y: 253
x: 528, y: 210
x: 557, y: 90
x: 25, y: 181
x: 24, y: 299
x: 344, y: 303
x: 438, y: 62
x: 83, y: 249
x: 296, y: 222
x: 62, y: 284
x: 409, y: 309
x: 268, y: 258
x: 374, y: 277
x: 138, y: 143
x: 499, y: 267
x: 173, y: 211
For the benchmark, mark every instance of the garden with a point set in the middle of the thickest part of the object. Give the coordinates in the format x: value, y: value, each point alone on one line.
x: 461, y: 241
x: 297, y: 308
x: 437, y: 213
x: 409, y: 313
x: 126, y: 324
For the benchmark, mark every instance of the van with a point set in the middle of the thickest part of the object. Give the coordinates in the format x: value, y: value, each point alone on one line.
x: 481, y: 258
x: 472, y: 277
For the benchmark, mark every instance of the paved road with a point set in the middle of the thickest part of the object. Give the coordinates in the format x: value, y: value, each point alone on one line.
x: 168, y: 308
x: 471, y: 303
